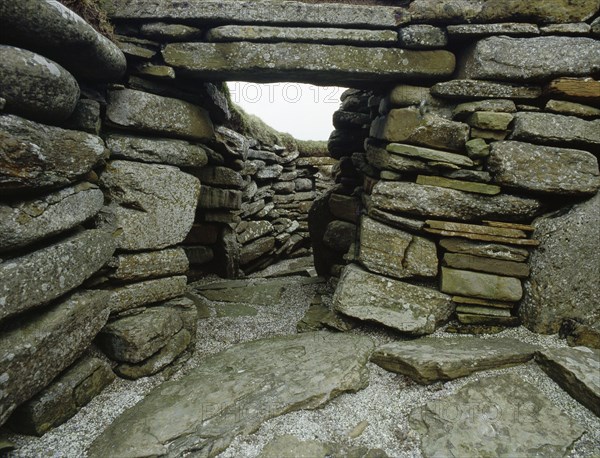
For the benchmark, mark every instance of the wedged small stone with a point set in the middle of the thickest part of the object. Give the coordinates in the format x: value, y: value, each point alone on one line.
x: 162, y: 151
x: 395, y: 253
x: 464, y: 110
x: 135, y: 338
x: 477, y: 89
x: 584, y: 90
x: 34, y: 353
x: 156, y: 71
x: 142, y: 266
x: 220, y: 176
x: 477, y: 148
x: 63, y: 398
x: 432, y: 201
x: 429, y: 154
x: 490, y: 120
x: 53, y: 30
x: 481, y: 30
x: 556, y: 171
x: 422, y: 36
x: 462, y: 310
x: 134, y: 295
x: 153, y: 204
x: 149, y: 113
x: 476, y: 319
x: 25, y: 222
x: 434, y: 359
x: 408, y: 125
x: 520, y: 421
x: 572, y: 109
x: 36, y: 156
x: 227, y: 394
x: 256, y: 249
x: 467, y: 11
x: 564, y: 269
x: 290, y: 447
x: 481, y: 285
x: 577, y: 371
x: 85, y: 117
x: 491, y: 266
x: 476, y: 176
x: 488, y: 250
x: 35, y: 87
x: 407, y: 308
x: 332, y: 36
x: 169, y: 32
x: 489, y: 135
x: 564, y: 130
x: 467, y: 186
x: 339, y: 64
x: 531, y: 59
x: 132, y: 49
x: 243, y: 291
x: 270, y: 172
x: 260, y: 12
x: 383, y: 160
x: 41, y: 276
x: 573, y: 28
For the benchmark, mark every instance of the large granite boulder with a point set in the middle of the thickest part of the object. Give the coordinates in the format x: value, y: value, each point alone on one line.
x: 51, y: 29
x: 153, y: 204
x: 35, y: 156
x: 41, y: 276
x: 433, y: 201
x: 149, y: 113
x: 37, y: 350
x: 36, y: 87
x: 326, y: 64
x: 407, y: 308
x: 564, y: 269
x: 544, y: 169
x: 236, y: 390
x: 532, y: 59
x: 434, y: 359
x: 25, y: 222
x: 495, y: 416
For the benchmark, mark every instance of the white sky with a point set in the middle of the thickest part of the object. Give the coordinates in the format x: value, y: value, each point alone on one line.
x: 303, y: 110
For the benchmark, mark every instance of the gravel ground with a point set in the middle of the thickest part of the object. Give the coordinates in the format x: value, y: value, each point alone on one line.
x: 385, y: 405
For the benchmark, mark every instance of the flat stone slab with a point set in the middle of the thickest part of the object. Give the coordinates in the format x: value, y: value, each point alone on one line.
x: 291, y: 447
x: 577, y: 371
x: 433, y: 359
x: 478, y: 89
x: 242, y: 291
x: 235, y: 391
x: 258, y: 12
x: 428, y: 154
x: 496, y: 416
x: 488, y: 250
x: 460, y: 185
x: 480, y: 285
x: 264, y: 62
x: 491, y: 266
x: 398, y: 305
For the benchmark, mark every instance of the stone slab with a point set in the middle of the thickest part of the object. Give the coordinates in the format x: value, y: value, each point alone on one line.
x: 476, y: 229
x: 460, y: 185
x: 584, y: 90
x: 142, y: 266
x: 134, y: 295
x: 484, y: 238
x: 495, y: 416
x: 434, y: 359
x: 245, y: 292
x: 481, y: 30
x: 478, y: 89
x: 398, y: 305
x: 429, y: 154
x: 481, y: 285
x: 235, y: 391
x: 487, y: 265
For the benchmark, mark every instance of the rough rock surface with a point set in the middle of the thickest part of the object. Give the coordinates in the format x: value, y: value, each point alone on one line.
x: 164, y: 151
x: 483, y: 286
x: 235, y: 391
x: 43, y: 275
x: 25, y: 222
x: 306, y: 62
x: 33, y: 354
x: 564, y: 269
x: 244, y: 291
x: 532, y: 59
x: 519, y: 421
x: 434, y: 359
x: 153, y: 204
x: 63, y: 398
x: 135, y: 295
x: 395, y: 253
x: 556, y: 170
x: 475, y: 89
x: 428, y: 201
x: 577, y: 371
x: 149, y: 113
x: 407, y: 308
x: 487, y: 250
x: 51, y: 29
x: 36, y: 87
x: 141, y: 266
x: 34, y: 155
x: 290, y: 447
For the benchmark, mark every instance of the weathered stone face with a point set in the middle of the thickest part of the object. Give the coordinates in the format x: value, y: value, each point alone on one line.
x: 564, y: 269
x: 139, y: 266
x: 153, y: 204
x: 318, y: 63
x: 481, y: 285
x: 263, y: 384
x: 36, y: 87
x: 135, y: 295
x: 35, y: 156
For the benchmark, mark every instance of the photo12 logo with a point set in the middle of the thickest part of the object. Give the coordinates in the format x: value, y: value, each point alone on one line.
x: 288, y: 92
